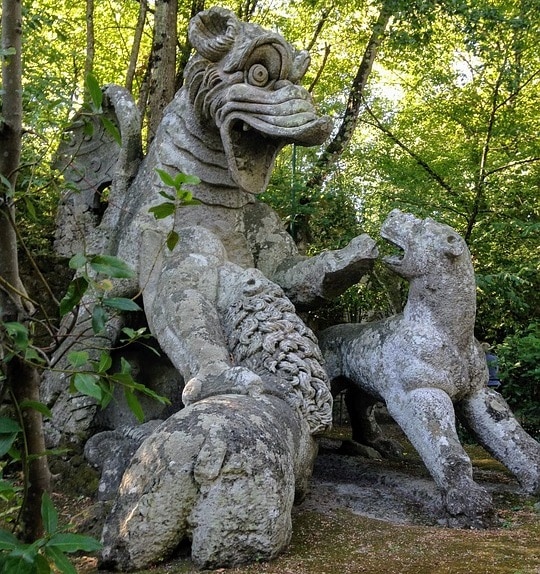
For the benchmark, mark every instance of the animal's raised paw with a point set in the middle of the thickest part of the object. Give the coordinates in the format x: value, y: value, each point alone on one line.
x: 232, y: 381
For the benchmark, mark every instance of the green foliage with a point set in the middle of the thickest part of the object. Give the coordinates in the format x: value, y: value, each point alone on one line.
x: 93, y: 378
x: 180, y: 198
x: 90, y: 280
x: 519, y: 356
x: 46, y: 553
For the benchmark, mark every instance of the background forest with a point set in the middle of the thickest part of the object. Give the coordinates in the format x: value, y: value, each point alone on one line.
x: 435, y: 105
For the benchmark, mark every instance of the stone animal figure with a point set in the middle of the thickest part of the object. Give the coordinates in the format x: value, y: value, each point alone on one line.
x: 222, y: 472
x: 426, y: 365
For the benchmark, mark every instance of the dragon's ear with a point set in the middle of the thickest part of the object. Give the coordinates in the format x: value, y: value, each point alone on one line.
x: 300, y: 66
x: 454, y: 245
x: 213, y: 32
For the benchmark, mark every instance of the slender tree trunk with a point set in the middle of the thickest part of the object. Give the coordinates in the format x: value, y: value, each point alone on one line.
x: 163, y: 63
x: 90, y: 38
x: 34, y: 461
x: 185, y: 51
x: 135, y: 48
x: 21, y: 378
x: 301, y: 232
x: 10, y: 144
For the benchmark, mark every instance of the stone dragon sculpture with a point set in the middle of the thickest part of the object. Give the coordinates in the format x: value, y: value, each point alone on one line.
x: 426, y: 365
x: 223, y: 471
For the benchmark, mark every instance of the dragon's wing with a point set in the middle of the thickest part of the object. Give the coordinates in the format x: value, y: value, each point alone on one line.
x: 99, y: 158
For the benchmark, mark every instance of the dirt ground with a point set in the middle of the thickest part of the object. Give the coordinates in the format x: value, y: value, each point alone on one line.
x: 380, y: 516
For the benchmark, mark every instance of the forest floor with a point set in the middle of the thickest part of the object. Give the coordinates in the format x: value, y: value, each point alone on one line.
x: 375, y: 517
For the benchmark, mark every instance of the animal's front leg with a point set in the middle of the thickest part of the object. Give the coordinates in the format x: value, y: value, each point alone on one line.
x: 487, y: 414
x: 220, y: 473
x: 426, y: 415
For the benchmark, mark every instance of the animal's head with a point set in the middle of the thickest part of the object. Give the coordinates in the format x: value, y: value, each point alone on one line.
x: 243, y: 81
x: 425, y: 245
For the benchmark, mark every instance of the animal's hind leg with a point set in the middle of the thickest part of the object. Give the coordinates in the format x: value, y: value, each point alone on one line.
x: 427, y: 417
x: 364, y: 425
x: 488, y: 416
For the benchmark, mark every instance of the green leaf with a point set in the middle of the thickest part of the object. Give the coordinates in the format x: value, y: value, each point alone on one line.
x: 95, y: 92
x: 17, y: 564
x: 7, y: 492
x: 42, y: 565
x: 9, y: 187
x: 112, y: 129
x: 6, y: 442
x: 9, y: 426
x: 61, y: 561
x: 30, y: 208
x: 77, y: 261
x: 166, y: 178
x: 105, y: 362
x: 172, y: 240
x: 18, y: 333
x: 187, y: 179
x: 8, y: 541
x: 99, y: 319
x: 87, y: 384
x: 134, y: 404
x: 78, y: 358
x: 49, y: 514
x: 121, y: 303
x: 37, y: 406
x: 163, y: 210
x: 31, y: 355
x: 166, y: 195
x: 67, y: 542
x: 77, y: 288
x: 111, y: 266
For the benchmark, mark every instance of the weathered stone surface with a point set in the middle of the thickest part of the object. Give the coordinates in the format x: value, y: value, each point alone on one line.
x: 423, y: 361
x: 228, y: 136
x: 224, y: 470
x: 111, y: 452
x: 221, y: 472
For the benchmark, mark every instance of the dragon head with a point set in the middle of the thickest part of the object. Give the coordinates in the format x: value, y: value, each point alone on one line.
x: 244, y: 81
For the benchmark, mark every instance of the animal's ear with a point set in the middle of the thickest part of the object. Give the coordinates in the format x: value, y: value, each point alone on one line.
x: 454, y: 245
x: 213, y: 32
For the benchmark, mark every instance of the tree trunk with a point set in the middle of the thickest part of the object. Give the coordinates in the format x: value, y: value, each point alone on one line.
x: 90, y: 40
x: 162, y: 62
x: 185, y: 52
x: 350, y: 119
x: 21, y: 378
x: 136, y: 46
x: 34, y: 461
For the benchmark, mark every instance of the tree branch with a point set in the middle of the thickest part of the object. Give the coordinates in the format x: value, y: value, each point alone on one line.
x: 421, y: 162
x: 350, y: 119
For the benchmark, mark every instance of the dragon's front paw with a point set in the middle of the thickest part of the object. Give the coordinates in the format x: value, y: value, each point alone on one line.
x: 231, y: 381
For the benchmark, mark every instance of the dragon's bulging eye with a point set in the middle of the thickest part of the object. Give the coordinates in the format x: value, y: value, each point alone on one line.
x: 258, y: 75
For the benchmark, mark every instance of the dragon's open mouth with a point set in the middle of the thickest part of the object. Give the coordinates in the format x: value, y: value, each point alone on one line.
x: 253, y: 140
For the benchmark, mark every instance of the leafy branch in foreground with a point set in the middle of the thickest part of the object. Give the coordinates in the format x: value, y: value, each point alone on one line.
x: 180, y: 198
x: 17, y: 557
